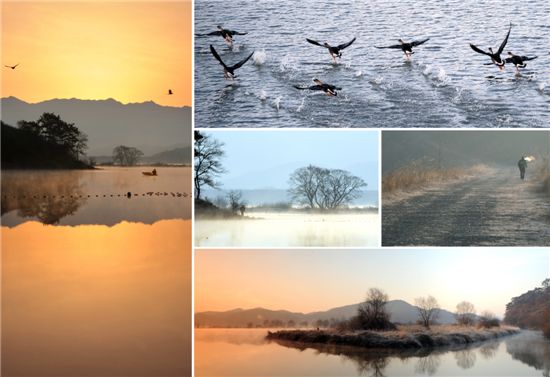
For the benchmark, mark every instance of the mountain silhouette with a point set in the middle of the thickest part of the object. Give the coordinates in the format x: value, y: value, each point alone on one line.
x: 148, y: 126
x: 400, y: 312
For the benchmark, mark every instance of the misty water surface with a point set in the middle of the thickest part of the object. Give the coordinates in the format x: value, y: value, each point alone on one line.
x: 73, y: 197
x: 445, y: 85
x: 285, y: 229
x: 245, y: 352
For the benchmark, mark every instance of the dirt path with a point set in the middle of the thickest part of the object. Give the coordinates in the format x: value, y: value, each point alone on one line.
x: 496, y: 208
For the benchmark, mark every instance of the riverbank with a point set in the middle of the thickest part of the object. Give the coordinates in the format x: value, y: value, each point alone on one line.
x: 403, y: 338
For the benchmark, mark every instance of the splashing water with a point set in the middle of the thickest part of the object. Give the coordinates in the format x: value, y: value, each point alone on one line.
x: 358, y: 73
x: 277, y: 102
x: 263, y: 95
x: 301, y: 107
x: 259, y: 57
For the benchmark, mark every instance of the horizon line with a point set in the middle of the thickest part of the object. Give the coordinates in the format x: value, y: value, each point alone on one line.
x: 94, y: 100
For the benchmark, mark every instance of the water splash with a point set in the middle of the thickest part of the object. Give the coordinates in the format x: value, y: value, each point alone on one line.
x: 263, y: 95
x: 277, y: 102
x: 358, y: 73
x: 259, y: 57
x: 301, y: 106
x: 541, y: 87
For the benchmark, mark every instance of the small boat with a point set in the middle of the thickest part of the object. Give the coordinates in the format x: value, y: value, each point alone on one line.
x: 150, y: 173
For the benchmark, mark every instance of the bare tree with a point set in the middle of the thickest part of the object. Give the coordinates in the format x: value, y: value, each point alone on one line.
x: 208, y: 166
x: 235, y: 200
x: 372, y: 314
x: 126, y: 156
x: 428, y: 310
x: 465, y: 313
x: 323, y: 188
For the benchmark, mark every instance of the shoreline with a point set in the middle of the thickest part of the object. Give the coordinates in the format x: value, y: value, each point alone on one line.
x: 392, y: 339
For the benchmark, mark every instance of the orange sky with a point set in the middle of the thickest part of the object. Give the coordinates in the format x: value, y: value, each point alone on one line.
x: 129, y: 51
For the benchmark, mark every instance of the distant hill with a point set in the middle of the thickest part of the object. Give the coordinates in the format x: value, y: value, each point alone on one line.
x: 401, y: 312
x: 148, y: 126
x: 173, y: 156
x: 531, y: 310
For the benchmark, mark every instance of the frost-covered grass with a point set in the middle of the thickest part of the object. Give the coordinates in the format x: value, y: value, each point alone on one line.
x: 403, y: 337
x: 417, y: 174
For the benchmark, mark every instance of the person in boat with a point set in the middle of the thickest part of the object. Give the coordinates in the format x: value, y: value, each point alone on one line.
x: 522, y: 165
x: 154, y: 172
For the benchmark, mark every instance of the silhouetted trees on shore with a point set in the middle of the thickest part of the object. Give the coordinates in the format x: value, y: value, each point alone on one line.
x: 48, y: 142
x: 531, y: 310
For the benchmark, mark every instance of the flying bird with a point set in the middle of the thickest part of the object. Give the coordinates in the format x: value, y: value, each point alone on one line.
x: 11, y: 66
x: 226, y: 34
x: 334, y: 51
x: 495, y: 56
x: 170, y: 92
x: 229, y: 71
x: 518, y: 61
x: 329, y: 89
x: 406, y: 47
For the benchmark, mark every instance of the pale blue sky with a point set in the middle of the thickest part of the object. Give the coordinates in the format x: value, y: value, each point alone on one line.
x: 265, y: 159
x: 310, y: 280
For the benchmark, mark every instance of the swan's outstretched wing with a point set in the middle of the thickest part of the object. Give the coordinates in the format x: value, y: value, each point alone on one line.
x: 240, y: 64
x: 477, y: 49
x: 503, y: 44
x: 418, y: 43
x: 314, y: 42
x: 215, y: 53
x: 344, y: 45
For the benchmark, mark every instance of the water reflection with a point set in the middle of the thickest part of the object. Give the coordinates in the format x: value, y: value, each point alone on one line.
x: 94, y: 300
x: 73, y: 197
x: 532, y: 349
x: 373, y: 362
x: 36, y: 196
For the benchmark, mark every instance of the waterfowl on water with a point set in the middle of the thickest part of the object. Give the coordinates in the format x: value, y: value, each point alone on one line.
x: 406, y: 47
x: 329, y: 89
x: 170, y: 92
x: 495, y: 56
x: 334, y: 51
x: 229, y: 71
x: 226, y: 34
x: 518, y: 61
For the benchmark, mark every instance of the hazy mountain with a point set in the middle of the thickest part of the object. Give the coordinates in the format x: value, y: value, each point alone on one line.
x: 275, y: 176
x: 150, y: 127
x: 173, y: 156
x: 400, y: 311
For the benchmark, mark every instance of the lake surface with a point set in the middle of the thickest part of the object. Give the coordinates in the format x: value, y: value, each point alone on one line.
x: 93, y: 300
x: 245, y: 352
x: 287, y: 229
x: 446, y: 84
x: 74, y: 197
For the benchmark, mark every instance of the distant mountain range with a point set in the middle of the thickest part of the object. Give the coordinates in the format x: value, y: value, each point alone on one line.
x: 400, y: 311
x: 150, y: 127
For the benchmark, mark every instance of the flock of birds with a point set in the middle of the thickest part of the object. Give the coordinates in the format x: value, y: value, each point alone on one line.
x: 336, y: 52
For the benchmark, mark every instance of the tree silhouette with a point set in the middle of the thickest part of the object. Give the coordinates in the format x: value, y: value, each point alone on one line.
x: 428, y: 310
x: 208, y: 166
x: 126, y: 156
x: 323, y: 188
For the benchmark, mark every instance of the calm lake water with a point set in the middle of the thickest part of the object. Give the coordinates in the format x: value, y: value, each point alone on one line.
x: 244, y: 352
x: 93, y: 300
x: 445, y: 85
x: 74, y: 197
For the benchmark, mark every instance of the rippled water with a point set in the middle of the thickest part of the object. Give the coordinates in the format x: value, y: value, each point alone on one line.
x: 73, y: 197
x: 245, y: 352
x: 445, y: 84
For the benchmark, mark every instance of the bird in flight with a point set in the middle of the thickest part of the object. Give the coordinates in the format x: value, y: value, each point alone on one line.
x: 229, y: 71
x: 495, y: 56
x: 329, y: 89
x: 406, y: 47
x: 226, y: 34
x: 334, y: 51
x: 11, y: 66
x: 518, y: 61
